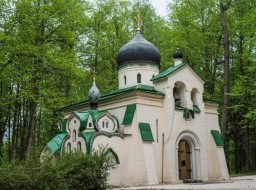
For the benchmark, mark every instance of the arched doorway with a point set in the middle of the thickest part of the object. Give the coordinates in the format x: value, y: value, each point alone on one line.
x: 184, y: 160
x: 188, y: 162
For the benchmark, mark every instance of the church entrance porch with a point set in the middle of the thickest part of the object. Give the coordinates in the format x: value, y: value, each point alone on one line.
x: 184, y: 154
x: 188, y: 163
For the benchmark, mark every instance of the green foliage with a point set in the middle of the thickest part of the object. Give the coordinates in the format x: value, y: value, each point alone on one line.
x: 69, y: 171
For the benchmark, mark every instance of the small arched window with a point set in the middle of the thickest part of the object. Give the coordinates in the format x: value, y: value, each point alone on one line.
x: 139, y: 78
x: 69, y: 147
x: 74, y: 135
x: 124, y: 80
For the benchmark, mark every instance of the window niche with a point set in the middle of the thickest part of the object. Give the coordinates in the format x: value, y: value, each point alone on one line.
x: 195, y: 100
x: 179, y: 94
x: 124, y: 80
x: 194, y: 96
x: 69, y: 147
x: 139, y: 78
x: 74, y: 136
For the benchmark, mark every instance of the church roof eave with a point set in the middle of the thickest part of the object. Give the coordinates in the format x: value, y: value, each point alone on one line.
x: 174, y: 69
x: 115, y: 93
x: 168, y: 72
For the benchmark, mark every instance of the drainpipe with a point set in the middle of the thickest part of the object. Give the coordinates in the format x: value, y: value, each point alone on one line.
x: 163, y: 158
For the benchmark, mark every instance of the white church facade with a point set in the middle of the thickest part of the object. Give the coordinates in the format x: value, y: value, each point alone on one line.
x: 156, y: 125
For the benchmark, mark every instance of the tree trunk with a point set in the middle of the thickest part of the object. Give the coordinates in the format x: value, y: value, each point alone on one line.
x: 224, y: 119
x: 32, y: 129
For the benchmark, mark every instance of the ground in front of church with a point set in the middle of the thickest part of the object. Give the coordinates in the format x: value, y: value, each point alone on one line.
x: 235, y: 183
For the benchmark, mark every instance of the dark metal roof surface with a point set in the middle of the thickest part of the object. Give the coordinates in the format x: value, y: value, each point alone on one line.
x: 138, y: 49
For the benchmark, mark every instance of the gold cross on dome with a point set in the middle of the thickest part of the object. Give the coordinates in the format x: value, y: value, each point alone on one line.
x: 138, y: 19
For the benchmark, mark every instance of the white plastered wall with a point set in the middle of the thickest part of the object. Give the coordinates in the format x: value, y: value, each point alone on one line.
x: 74, y: 124
x: 218, y: 168
x: 131, y: 70
x: 176, y: 125
x: 117, y: 145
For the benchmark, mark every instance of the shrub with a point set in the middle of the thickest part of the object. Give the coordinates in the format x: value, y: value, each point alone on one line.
x: 69, y: 171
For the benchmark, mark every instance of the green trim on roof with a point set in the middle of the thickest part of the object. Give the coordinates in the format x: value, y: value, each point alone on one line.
x: 55, y: 143
x: 88, y: 137
x: 196, y: 109
x: 95, y: 115
x: 145, y: 132
x: 140, y: 87
x: 63, y: 125
x: 168, y: 71
x: 83, y: 116
x: 112, y: 152
x: 211, y: 101
x: 91, y: 135
x: 179, y: 107
x: 118, y: 92
x: 187, y: 113
x: 129, y: 114
x: 217, y: 138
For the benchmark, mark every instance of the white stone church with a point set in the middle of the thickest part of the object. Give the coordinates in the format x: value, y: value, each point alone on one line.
x: 155, y: 125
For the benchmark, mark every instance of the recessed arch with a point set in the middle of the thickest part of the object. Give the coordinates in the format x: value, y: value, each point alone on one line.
x: 138, y: 78
x: 69, y: 147
x: 125, y: 80
x: 74, y: 135
x: 193, y: 144
x: 179, y: 90
x: 113, y: 155
x: 195, y: 96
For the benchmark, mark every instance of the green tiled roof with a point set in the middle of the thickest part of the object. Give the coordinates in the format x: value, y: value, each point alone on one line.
x: 217, y: 138
x: 83, y: 116
x: 114, y: 93
x: 129, y: 114
x: 55, y: 143
x: 88, y: 138
x: 168, y: 71
x: 145, y: 132
x: 196, y: 109
x: 140, y: 87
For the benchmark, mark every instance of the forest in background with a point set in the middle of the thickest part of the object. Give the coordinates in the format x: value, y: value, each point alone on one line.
x: 49, y: 50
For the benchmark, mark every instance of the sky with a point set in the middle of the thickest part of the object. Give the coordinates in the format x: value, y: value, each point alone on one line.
x: 160, y: 6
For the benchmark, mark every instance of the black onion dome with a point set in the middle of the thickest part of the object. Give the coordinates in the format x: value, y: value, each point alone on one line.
x: 138, y: 49
x: 94, y: 96
x: 177, y: 54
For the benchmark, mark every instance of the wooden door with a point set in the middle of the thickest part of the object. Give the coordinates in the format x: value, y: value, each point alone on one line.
x: 184, y: 154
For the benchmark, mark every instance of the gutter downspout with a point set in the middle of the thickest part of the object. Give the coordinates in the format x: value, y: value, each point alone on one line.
x: 163, y: 158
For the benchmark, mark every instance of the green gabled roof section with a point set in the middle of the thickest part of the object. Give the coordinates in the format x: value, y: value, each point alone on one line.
x: 140, y: 87
x: 88, y: 138
x: 96, y: 114
x: 55, y: 143
x: 118, y: 92
x: 83, y: 116
x: 196, y: 109
x: 217, y: 138
x: 129, y: 114
x: 145, y: 132
x: 168, y: 71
